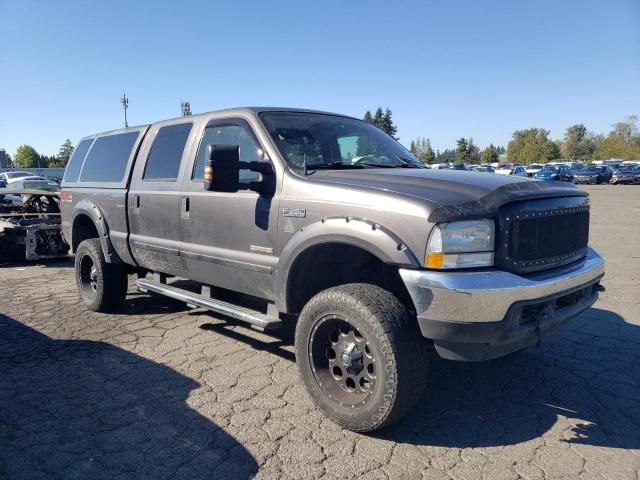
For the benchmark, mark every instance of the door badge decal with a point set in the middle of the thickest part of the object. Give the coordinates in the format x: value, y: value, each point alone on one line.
x: 294, y: 212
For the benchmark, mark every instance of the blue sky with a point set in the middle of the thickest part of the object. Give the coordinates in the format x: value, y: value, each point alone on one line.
x: 447, y: 69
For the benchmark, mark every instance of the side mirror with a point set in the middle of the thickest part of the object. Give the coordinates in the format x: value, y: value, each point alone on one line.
x: 222, y: 168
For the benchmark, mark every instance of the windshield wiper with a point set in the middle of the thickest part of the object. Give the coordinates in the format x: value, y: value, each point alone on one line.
x: 404, y: 163
x: 377, y: 165
x: 333, y: 166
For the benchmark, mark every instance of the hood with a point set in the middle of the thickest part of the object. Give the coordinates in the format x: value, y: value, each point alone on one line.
x: 456, y: 193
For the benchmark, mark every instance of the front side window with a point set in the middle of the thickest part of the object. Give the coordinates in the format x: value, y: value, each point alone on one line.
x: 164, y: 158
x: 229, y: 135
x: 108, y: 158
x: 75, y: 162
x: 314, y: 141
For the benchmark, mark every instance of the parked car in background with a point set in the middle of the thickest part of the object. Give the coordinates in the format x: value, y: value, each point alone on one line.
x: 14, y: 181
x: 9, y: 176
x: 517, y: 170
x: 626, y: 174
x: 3, y: 183
x: 458, y: 166
x: 482, y: 168
x: 552, y: 173
x: 569, y: 165
x: 533, y: 168
x: 594, y: 174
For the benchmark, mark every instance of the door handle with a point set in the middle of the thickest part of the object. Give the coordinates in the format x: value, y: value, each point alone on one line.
x: 186, y: 207
x: 136, y: 204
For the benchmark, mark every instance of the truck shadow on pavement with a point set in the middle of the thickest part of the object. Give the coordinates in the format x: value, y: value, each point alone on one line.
x: 582, y: 382
x: 87, y: 409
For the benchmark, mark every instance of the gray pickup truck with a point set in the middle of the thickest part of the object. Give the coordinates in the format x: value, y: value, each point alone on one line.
x: 324, y: 220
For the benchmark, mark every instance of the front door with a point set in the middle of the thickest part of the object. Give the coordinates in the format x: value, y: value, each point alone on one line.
x: 154, y: 199
x: 228, y: 239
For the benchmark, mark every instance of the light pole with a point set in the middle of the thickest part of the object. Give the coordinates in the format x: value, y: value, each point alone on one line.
x: 185, y: 108
x: 125, y: 104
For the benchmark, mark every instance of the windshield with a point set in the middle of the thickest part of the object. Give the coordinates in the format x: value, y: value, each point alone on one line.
x: 313, y: 141
x: 549, y: 168
x: 592, y: 170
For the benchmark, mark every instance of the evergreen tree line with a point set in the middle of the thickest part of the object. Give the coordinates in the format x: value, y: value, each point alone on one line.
x: 27, y: 157
x: 531, y: 145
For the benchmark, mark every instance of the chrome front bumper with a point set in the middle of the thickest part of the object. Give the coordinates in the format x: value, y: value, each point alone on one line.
x: 493, y: 307
x: 485, y: 296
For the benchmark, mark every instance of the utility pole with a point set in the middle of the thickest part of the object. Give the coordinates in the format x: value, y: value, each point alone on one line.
x: 185, y: 108
x: 125, y: 104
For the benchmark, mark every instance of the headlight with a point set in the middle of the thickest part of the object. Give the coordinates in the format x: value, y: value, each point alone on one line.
x: 464, y: 244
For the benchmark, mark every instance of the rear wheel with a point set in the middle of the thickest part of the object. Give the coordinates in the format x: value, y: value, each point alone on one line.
x: 362, y: 359
x: 102, y: 286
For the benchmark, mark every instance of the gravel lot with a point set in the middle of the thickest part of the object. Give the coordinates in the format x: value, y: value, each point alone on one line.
x: 160, y: 391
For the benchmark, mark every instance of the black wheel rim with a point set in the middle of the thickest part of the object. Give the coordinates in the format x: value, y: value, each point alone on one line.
x: 88, y: 275
x: 342, y: 361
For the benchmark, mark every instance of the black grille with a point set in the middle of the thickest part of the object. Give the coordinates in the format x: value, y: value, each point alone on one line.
x: 549, y: 237
x: 544, y: 234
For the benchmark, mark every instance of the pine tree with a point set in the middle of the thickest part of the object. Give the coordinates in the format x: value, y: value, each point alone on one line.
x: 461, y: 150
x: 412, y: 148
x: 387, y: 125
x: 429, y: 155
x: 473, y: 152
x: 383, y: 121
x: 378, y: 119
x: 66, y: 149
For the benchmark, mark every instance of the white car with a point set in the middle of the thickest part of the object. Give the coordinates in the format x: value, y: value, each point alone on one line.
x: 518, y: 170
x: 9, y: 176
x: 533, y: 168
x: 15, y: 180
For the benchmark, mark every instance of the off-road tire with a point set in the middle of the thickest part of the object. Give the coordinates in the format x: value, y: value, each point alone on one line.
x: 109, y: 288
x: 400, y: 352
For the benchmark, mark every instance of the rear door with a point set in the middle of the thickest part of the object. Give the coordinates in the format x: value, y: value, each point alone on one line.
x: 154, y: 197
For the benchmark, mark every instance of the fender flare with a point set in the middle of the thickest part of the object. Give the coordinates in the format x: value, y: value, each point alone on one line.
x: 91, y: 210
x: 358, y: 232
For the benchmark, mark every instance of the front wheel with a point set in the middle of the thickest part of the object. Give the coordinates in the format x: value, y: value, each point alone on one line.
x: 102, y: 286
x: 362, y: 359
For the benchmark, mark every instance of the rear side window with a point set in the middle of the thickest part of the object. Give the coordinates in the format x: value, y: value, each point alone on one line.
x: 164, y: 158
x: 75, y: 162
x: 107, y: 160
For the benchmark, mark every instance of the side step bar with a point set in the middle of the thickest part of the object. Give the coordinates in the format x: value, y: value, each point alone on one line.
x: 258, y: 320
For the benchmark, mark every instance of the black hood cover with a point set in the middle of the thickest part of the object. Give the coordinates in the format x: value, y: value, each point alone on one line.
x: 457, y: 194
